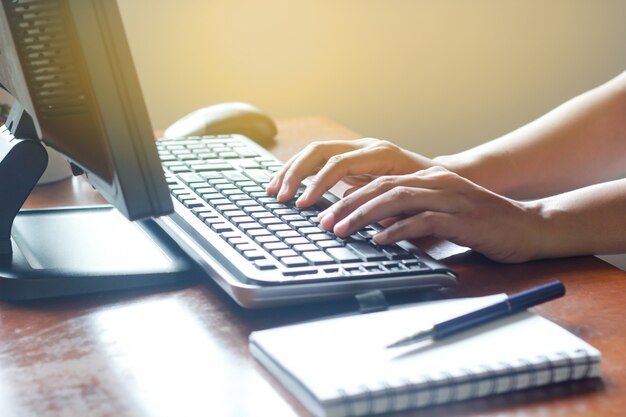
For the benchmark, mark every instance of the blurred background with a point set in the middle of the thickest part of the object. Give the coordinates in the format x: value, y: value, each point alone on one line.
x: 433, y: 76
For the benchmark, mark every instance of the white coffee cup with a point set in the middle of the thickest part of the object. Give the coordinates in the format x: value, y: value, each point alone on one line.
x: 58, y: 168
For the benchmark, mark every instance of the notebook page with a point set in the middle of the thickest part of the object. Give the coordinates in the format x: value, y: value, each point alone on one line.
x: 344, y: 355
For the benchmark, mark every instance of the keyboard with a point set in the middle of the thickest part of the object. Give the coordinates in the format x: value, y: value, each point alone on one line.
x: 229, y: 224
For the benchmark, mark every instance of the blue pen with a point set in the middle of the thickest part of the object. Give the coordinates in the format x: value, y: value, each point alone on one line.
x: 513, y: 304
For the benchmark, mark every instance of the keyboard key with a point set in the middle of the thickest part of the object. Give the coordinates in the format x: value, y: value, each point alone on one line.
x: 325, y: 244
x: 300, y: 224
x: 311, y: 230
x: 318, y: 258
x: 255, y: 209
x: 253, y: 190
x: 244, y: 247
x: 281, y: 253
x: 294, y: 261
x: 287, y: 233
x: 220, y: 202
x: 247, y: 203
x: 249, y: 226
x: 262, y: 214
x: 393, y: 266
x: 259, y: 232
x: 270, y: 220
x: 179, y: 169
x: 264, y: 264
x: 293, y: 218
x: 241, y: 219
x: 247, y: 164
x: 343, y: 255
x: 210, y: 197
x: 235, y: 194
x: 232, y: 235
x: 191, y: 204
x: 218, y: 180
x: 305, y: 247
x: 245, y: 152
x: 234, y: 175
x: 266, y: 239
x: 275, y: 246
x: 282, y: 212
x: 279, y: 227
x: 221, y: 227
x: 296, y: 240
x: 300, y: 271
x: 234, y: 213
x: 396, y: 252
x: 367, y: 252
x: 210, y: 175
x: 204, y: 215
x: 236, y: 240
x: 316, y: 237
x: 212, y: 219
x: 252, y: 255
x: 267, y: 199
x: 276, y: 206
x: 225, y: 207
x: 226, y: 186
x: 257, y: 175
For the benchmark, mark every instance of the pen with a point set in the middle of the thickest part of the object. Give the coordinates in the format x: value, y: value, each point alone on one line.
x: 513, y: 304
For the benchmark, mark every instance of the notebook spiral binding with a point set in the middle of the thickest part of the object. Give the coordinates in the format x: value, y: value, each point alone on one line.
x: 424, y: 390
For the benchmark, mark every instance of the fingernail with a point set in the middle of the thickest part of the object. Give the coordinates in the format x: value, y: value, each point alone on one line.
x: 282, y: 194
x: 342, y: 227
x: 327, y: 221
x: 302, y: 198
x: 380, y: 238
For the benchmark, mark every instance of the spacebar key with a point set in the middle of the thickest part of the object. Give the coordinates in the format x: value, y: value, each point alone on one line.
x: 367, y: 252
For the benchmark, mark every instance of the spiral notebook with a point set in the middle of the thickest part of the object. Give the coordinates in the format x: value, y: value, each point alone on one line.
x: 340, y: 366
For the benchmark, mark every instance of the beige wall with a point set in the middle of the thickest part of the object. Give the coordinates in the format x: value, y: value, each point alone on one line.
x: 436, y: 76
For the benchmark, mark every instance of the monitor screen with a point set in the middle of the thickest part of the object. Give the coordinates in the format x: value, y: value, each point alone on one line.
x: 68, y: 65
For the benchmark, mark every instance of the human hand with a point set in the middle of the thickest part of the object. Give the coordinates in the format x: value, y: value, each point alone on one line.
x: 440, y: 203
x: 361, y: 160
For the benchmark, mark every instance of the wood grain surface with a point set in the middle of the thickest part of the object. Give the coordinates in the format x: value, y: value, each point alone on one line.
x: 183, y: 351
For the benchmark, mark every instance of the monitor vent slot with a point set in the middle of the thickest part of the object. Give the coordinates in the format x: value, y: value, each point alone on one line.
x: 46, y: 55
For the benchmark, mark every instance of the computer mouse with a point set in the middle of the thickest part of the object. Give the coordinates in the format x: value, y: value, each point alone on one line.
x: 226, y: 118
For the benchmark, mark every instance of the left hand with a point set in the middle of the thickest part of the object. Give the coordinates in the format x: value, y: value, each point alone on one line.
x: 440, y: 203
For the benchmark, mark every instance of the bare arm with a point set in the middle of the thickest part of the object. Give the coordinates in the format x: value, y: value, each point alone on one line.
x: 579, y: 143
x: 437, y: 202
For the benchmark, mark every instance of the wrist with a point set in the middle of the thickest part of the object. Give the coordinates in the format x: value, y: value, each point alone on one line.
x: 465, y: 165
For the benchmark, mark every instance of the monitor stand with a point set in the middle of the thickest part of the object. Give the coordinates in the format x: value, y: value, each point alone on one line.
x: 73, y: 250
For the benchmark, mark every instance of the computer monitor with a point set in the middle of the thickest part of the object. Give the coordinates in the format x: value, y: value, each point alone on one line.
x: 68, y: 65
x: 69, y: 69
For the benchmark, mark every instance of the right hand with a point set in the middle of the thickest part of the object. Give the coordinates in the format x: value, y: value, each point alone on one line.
x: 341, y: 159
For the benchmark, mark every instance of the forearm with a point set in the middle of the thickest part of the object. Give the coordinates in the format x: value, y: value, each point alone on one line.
x: 581, y: 142
x: 590, y: 220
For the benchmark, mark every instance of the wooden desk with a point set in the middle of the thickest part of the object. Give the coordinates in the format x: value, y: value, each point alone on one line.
x: 184, y: 352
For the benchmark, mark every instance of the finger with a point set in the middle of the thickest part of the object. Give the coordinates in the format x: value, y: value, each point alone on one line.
x: 356, y: 162
x: 350, y: 190
x: 389, y: 221
x: 427, y: 223
x: 358, y: 197
x: 359, y: 180
x: 311, y: 158
x: 276, y: 178
x: 400, y: 201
